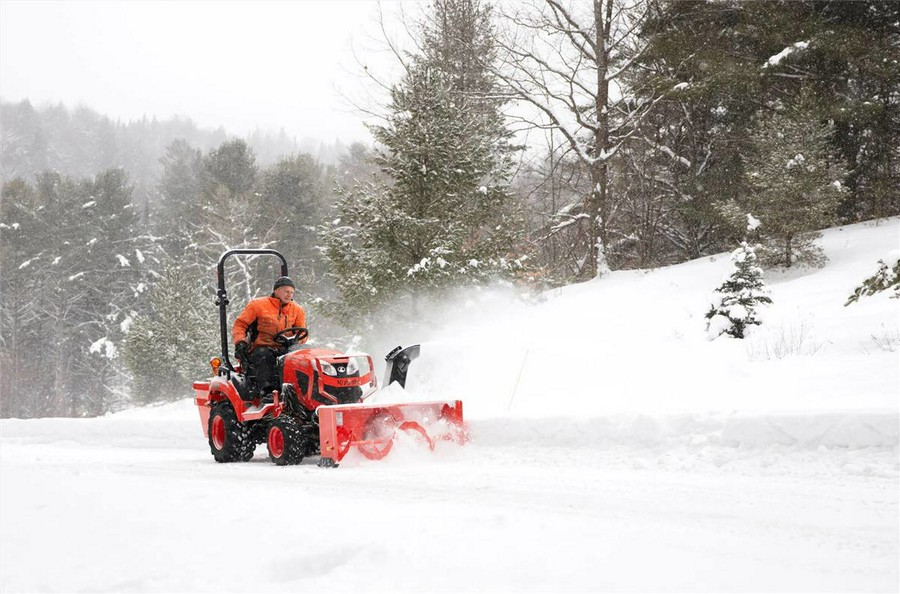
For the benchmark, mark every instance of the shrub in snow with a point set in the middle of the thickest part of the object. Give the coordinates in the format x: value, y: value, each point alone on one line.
x: 792, y: 340
x: 887, y: 340
x: 741, y: 293
x: 885, y: 278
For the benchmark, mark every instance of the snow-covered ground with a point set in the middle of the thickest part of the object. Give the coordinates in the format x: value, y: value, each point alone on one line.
x: 614, y: 447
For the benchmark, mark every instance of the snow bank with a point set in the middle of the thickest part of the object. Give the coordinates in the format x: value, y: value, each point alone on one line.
x: 634, y: 342
x: 850, y: 430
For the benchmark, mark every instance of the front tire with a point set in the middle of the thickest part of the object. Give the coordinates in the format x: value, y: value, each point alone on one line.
x: 229, y: 439
x: 285, y: 441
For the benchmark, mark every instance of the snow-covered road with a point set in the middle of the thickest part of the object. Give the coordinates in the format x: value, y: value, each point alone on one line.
x: 134, y: 502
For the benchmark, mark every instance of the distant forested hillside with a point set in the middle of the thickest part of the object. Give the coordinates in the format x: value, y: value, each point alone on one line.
x: 81, y: 142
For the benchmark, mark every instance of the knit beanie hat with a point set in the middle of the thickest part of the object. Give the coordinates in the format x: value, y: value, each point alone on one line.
x: 284, y: 281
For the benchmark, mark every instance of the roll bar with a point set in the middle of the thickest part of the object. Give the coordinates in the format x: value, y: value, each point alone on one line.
x: 222, y: 293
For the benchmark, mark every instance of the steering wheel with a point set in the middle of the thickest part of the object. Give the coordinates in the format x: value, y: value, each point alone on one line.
x: 290, y: 336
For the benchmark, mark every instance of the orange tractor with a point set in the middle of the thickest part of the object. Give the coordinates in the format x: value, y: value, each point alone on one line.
x: 321, y: 408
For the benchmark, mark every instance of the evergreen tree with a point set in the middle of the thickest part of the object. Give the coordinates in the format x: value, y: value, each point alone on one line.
x: 725, y: 64
x: 20, y: 236
x: 169, y: 347
x: 704, y: 59
x: 722, y: 65
x: 443, y: 217
x: 112, y: 270
x: 356, y: 166
x: 23, y: 142
x: 291, y: 204
x: 71, y: 263
x: 232, y: 168
x: 178, y: 214
x: 227, y: 206
x: 741, y: 294
x: 845, y: 54
x: 459, y: 42
x: 796, y: 186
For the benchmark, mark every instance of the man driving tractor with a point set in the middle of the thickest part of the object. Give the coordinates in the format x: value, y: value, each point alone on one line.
x: 270, y: 315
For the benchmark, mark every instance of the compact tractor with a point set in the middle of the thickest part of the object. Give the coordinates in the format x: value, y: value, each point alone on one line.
x: 320, y: 409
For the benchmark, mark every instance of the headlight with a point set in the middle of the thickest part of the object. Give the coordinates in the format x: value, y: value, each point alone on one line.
x: 352, y: 366
x: 328, y: 368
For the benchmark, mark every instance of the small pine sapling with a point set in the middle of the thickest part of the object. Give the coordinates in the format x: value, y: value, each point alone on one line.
x: 741, y: 293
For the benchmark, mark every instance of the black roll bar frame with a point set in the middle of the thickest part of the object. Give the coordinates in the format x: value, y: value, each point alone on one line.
x: 222, y: 293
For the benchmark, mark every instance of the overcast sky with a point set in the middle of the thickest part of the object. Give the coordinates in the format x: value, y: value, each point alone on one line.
x: 242, y: 65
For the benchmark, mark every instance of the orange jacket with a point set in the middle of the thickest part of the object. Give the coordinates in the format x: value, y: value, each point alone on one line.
x: 271, y: 317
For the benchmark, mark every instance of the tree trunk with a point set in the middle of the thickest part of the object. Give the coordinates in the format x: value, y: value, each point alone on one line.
x: 598, y: 203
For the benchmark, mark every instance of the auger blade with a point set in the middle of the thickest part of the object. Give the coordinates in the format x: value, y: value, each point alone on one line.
x: 372, y: 428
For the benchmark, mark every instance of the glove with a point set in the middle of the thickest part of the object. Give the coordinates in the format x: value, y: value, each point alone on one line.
x: 242, y: 349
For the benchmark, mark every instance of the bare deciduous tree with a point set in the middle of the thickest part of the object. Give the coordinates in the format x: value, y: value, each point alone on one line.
x: 565, y: 60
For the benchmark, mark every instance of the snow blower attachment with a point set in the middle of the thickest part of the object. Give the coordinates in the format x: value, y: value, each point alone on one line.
x: 372, y: 429
x: 320, y: 409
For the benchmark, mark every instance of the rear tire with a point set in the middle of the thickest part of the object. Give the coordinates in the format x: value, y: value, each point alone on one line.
x: 286, y: 441
x: 229, y: 439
